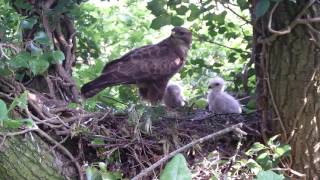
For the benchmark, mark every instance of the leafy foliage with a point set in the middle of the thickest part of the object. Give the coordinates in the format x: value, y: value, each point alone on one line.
x: 100, y: 172
x: 176, y: 169
x: 105, y: 35
x: 6, y: 122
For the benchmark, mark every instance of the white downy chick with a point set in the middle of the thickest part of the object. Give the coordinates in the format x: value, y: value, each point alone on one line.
x: 219, y: 101
x: 173, y: 96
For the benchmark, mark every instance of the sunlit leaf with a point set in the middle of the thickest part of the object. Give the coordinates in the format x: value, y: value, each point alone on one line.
x: 42, y: 38
x: 93, y: 174
x: 3, y: 110
x: 253, y: 166
x: 176, y: 21
x: 269, y: 175
x: 256, y: 147
x: 176, y: 169
x: 220, y: 18
x: 160, y: 21
x: 15, y: 124
x: 57, y: 56
x: 195, y: 12
x: 21, y: 60
x: 38, y: 65
x: 97, y: 141
x: 281, y: 151
x: 21, y: 101
x: 182, y: 10
x: 271, y: 141
x: 35, y: 51
x: 243, y: 4
x: 156, y: 7
x: 264, y: 160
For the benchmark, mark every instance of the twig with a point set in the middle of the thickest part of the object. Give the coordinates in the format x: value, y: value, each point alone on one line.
x: 275, y: 107
x: 201, y: 140
x: 18, y: 132
x: 201, y: 38
x: 235, y: 13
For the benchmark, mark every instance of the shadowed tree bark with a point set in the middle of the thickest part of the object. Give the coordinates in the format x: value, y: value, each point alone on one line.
x: 287, y: 63
x: 31, y: 158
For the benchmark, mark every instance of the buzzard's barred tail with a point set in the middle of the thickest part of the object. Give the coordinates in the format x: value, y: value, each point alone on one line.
x: 88, y: 90
x: 94, y: 87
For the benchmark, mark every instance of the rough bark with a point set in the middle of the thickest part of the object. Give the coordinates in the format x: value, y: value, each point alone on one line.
x: 291, y: 71
x: 31, y: 158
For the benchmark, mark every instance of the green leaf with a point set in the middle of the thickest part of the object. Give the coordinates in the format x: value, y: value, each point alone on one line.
x: 256, y: 147
x: 5, y: 70
x: 243, y: 4
x: 272, y: 139
x: 39, y: 65
x: 201, y: 103
x: 264, y: 160
x: 3, y: 110
x: 219, y: 18
x: 57, y: 56
x: 262, y: 7
x: 182, y: 10
x: 72, y: 105
x: 42, y: 38
x: 282, y: 150
x: 92, y: 173
x: 23, y: 4
x: 176, y: 169
x: 35, y: 51
x: 28, y: 23
x: 97, y: 141
x: 21, y: 60
x: 269, y: 175
x: 21, y: 101
x: 195, y: 12
x: 253, y: 166
x: 156, y: 7
x: 176, y: 21
x: 15, y: 124
x: 160, y: 21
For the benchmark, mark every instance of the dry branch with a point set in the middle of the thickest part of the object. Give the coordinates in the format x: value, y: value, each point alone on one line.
x: 201, y: 140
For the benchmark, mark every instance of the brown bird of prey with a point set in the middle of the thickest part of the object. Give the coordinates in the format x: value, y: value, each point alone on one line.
x: 149, y: 67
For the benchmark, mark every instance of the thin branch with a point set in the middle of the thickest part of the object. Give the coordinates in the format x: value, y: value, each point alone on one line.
x: 170, y: 155
x: 235, y: 13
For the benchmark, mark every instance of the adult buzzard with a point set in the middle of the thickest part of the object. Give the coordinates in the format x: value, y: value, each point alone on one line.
x: 149, y: 67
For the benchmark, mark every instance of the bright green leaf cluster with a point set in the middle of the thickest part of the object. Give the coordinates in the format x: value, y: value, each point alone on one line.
x: 176, y: 169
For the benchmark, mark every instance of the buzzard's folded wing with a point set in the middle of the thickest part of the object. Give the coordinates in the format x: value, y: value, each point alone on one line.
x: 141, y: 65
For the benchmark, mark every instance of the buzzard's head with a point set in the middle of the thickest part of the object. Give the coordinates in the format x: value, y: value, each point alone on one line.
x: 182, y: 36
x: 216, y: 84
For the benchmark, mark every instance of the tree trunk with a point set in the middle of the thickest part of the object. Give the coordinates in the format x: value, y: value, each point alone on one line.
x: 28, y: 158
x: 288, y: 65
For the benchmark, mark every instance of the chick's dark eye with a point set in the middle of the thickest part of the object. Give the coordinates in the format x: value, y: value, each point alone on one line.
x: 216, y: 84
